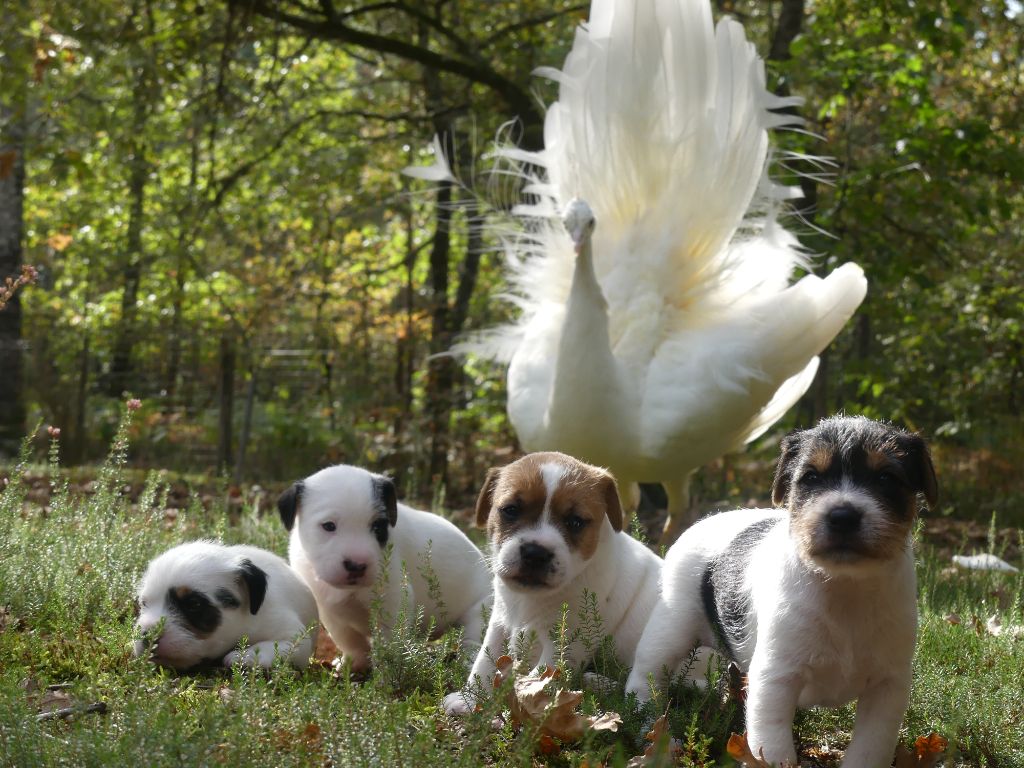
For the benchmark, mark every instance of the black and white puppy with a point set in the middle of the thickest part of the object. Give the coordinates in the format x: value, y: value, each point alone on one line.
x: 342, y: 519
x: 210, y: 596
x: 817, y: 603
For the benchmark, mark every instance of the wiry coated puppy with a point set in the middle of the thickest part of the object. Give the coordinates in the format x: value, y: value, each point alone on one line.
x: 342, y: 519
x: 555, y: 531
x: 210, y: 596
x: 816, y: 604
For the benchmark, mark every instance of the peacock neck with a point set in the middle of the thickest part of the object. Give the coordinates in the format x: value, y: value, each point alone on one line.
x: 587, y: 386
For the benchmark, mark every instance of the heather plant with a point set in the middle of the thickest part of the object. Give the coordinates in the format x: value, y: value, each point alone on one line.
x: 68, y: 570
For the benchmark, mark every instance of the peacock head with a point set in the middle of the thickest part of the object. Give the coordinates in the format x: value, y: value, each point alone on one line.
x: 579, y: 222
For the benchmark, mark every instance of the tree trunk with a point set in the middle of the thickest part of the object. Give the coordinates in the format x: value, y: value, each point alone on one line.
x: 121, y: 362
x: 226, y: 398
x: 12, y: 191
x: 243, y: 440
x: 439, y: 373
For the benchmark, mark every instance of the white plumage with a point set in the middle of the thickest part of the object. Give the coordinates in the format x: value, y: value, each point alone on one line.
x: 677, y: 336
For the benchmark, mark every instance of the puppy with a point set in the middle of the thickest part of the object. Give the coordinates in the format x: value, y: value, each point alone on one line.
x: 210, y: 596
x: 816, y: 603
x: 555, y: 531
x: 342, y: 519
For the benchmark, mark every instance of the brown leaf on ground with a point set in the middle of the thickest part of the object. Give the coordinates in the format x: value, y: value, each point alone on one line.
x: 953, y: 618
x: 928, y: 750
x: 325, y: 651
x: 663, y: 750
x: 740, y: 750
x: 53, y: 699
x: 994, y: 626
x: 534, y: 700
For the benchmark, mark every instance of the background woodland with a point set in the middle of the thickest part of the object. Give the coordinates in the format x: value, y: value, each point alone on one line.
x: 211, y: 192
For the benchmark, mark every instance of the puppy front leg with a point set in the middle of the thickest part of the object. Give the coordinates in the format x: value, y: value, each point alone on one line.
x: 880, y: 711
x: 262, y: 654
x: 772, y: 694
x: 464, y: 701
x: 354, y: 647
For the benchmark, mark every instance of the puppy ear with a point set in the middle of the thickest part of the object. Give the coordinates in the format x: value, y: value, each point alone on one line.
x: 486, y: 497
x: 255, y: 580
x: 288, y: 504
x: 612, y: 504
x: 790, y: 448
x: 384, y: 489
x: 922, y: 471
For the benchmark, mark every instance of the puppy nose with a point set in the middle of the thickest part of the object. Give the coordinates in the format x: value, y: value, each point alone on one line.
x: 844, y: 519
x: 534, y: 556
x: 356, y: 569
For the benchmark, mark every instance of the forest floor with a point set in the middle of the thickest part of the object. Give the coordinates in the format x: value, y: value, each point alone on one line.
x: 73, y: 544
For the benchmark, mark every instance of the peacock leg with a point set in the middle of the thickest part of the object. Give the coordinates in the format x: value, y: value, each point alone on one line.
x: 629, y: 498
x: 682, y: 511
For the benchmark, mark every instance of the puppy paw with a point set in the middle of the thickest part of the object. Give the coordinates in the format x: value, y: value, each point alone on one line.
x: 459, y: 703
x: 250, y: 657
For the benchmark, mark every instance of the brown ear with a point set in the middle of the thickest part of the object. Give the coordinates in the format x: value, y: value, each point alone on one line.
x: 784, y: 469
x: 612, y: 504
x: 486, y: 497
x: 923, y: 471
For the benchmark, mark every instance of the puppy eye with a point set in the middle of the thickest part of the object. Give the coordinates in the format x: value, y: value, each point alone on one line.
x: 329, y: 526
x: 809, y: 477
x: 379, y: 526
x: 887, y: 478
x: 574, y: 523
x: 510, y: 511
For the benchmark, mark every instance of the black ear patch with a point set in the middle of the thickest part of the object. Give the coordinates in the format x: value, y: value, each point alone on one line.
x: 255, y: 580
x: 288, y: 504
x: 384, y: 492
x: 790, y: 447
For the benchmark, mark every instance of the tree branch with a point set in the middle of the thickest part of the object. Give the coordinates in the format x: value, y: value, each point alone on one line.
x: 518, y: 99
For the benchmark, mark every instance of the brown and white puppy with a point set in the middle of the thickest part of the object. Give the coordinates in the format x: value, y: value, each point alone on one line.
x: 353, y: 542
x: 555, y: 530
x: 209, y: 596
x: 816, y: 603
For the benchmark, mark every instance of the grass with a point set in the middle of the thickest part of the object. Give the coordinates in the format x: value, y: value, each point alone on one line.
x: 67, y: 577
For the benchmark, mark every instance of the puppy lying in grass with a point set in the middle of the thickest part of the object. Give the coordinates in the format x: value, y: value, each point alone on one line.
x: 206, y: 597
x: 817, y: 602
x: 342, y: 520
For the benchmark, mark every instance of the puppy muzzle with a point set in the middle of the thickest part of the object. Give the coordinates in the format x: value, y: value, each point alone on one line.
x: 536, y: 566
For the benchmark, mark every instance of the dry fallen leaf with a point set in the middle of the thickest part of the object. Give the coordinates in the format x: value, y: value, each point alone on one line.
x: 740, y: 750
x: 928, y: 750
x: 52, y: 700
x: 953, y: 618
x: 994, y: 626
x: 533, y: 699
x: 326, y: 651
x: 664, y: 750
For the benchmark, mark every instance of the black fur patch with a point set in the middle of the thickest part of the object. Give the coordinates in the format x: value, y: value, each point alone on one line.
x: 726, y: 604
x: 386, y: 499
x: 226, y: 598
x: 201, y: 616
x: 887, y: 462
x: 288, y: 504
x: 255, y: 580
